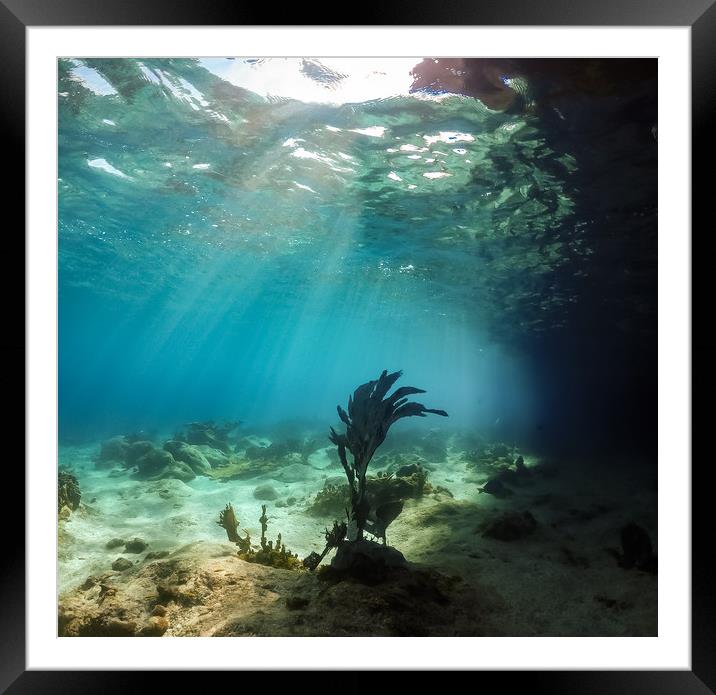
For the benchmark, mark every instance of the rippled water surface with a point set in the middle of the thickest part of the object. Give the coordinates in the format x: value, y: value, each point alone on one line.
x: 253, y: 238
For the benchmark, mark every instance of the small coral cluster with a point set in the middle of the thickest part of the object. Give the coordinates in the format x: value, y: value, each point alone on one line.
x: 68, y: 493
x: 409, y: 482
x: 490, y: 457
x: 268, y: 553
x: 330, y: 500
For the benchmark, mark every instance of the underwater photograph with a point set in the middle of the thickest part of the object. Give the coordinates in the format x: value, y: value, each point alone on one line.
x: 357, y: 347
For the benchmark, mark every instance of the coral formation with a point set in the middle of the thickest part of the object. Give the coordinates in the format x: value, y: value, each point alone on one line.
x: 330, y: 500
x: 68, y: 491
x: 374, y: 504
x: 409, y: 482
x: 367, y: 421
x: 270, y: 554
x: 489, y: 458
x: 334, y: 538
x: 229, y: 522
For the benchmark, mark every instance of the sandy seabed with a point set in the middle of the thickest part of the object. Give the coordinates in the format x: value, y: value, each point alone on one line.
x: 561, y: 579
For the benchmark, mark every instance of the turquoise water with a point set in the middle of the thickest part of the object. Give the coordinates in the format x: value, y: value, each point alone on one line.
x: 244, y: 242
x: 252, y: 239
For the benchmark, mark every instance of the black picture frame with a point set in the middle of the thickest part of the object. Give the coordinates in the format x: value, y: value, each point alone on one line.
x: 700, y: 15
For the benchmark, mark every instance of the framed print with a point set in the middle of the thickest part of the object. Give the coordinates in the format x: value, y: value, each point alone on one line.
x: 353, y: 332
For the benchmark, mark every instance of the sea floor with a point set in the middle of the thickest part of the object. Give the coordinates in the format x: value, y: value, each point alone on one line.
x: 557, y: 575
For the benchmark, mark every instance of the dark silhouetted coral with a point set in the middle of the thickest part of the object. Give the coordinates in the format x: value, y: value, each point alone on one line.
x: 334, y: 538
x: 369, y: 417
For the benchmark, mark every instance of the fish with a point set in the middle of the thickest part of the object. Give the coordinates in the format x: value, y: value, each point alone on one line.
x: 495, y: 487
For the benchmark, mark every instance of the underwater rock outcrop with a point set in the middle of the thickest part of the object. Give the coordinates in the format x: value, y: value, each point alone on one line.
x: 136, y: 450
x: 189, y: 454
x: 135, y: 545
x: 209, y: 433
x: 369, y: 417
x: 215, y: 457
x: 204, y: 589
x: 153, y: 462
x: 112, y: 451
x: 366, y: 561
x: 265, y: 492
x: 121, y: 564
x: 149, y: 462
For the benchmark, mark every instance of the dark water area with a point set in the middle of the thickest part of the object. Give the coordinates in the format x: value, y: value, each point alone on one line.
x: 229, y: 255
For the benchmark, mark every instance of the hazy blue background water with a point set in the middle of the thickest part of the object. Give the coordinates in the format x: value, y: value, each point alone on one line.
x: 251, y: 239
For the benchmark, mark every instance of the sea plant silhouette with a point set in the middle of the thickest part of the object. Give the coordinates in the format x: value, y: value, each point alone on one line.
x: 367, y: 421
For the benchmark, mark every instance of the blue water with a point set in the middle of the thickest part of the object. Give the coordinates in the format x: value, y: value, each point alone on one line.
x: 241, y: 240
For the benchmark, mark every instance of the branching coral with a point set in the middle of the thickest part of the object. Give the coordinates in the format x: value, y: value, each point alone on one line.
x: 334, y: 537
x: 269, y: 554
x: 229, y: 522
x: 368, y: 419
